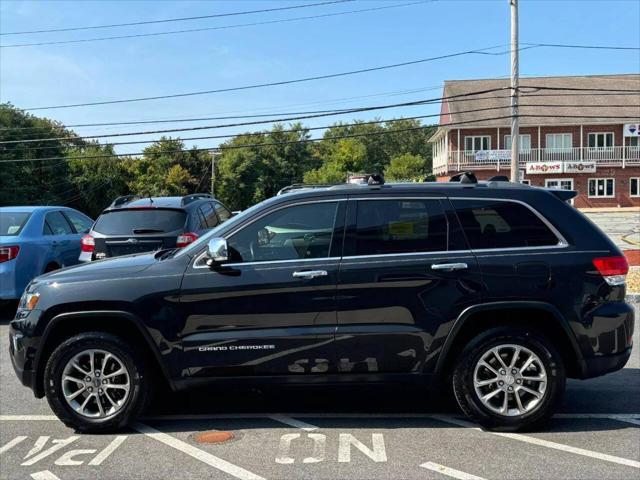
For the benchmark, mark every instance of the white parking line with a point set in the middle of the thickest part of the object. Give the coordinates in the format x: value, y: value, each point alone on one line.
x: 29, y: 418
x: 543, y: 443
x: 196, y: 453
x: 44, y: 475
x: 292, y: 422
x: 12, y: 443
x: 450, y: 472
x: 102, y: 456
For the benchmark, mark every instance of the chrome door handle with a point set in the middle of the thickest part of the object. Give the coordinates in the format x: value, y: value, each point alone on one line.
x: 310, y: 274
x: 449, y: 267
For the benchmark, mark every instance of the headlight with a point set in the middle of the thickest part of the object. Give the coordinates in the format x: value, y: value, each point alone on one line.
x: 29, y: 301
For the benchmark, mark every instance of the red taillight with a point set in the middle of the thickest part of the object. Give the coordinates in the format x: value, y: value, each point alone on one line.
x: 8, y: 253
x: 87, y: 244
x: 613, y: 269
x: 185, y: 239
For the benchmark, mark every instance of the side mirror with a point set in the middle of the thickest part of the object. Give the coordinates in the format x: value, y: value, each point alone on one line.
x: 217, y: 251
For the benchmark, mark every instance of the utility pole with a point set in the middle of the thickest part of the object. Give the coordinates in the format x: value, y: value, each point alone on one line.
x: 214, y: 154
x: 515, y: 126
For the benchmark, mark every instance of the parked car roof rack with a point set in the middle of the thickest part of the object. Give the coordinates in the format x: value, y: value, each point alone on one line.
x: 499, y: 178
x: 464, y: 177
x: 187, y: 199
x: 298, y: 186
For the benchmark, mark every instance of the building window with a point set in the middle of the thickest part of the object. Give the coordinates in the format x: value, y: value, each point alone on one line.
x: 475, y: 143
x: 634, y: 141
x: 559, y: 141
x: 601, y: 140
x: 601, y: 187
x: 634, y: 187
x: 561, y: 183
x: 525, y: 142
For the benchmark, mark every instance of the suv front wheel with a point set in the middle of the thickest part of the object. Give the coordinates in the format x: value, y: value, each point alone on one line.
x: 509, y: 379
x: 95, y: 382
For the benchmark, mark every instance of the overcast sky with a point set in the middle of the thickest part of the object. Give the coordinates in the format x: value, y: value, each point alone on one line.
x: 159, y: 65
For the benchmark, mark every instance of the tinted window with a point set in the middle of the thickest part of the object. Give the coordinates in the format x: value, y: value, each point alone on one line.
x: 301, y: 231
x: 400, y: 226
x: 58, y: 224
x: 209, y: 214
x: 11, y: 223
x: 223, y: 213
x: 139, y: 221
x: 81, y: 223
x: 496, y: 224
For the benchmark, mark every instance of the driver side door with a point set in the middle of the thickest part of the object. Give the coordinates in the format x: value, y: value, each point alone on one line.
x: 271, y: 309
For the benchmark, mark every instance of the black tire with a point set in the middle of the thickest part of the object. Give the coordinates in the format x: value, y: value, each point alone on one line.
x: 470, y: 403
x: 136, y: 365
x: 51, y: 267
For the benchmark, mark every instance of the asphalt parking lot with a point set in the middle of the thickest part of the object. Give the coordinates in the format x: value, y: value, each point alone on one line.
x: 356, y: 433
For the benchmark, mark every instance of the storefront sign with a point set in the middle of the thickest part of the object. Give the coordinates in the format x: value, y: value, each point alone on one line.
x: 543, y: 167
x: 493, y: 155
x: 579, y: 167
x: 631, y: 130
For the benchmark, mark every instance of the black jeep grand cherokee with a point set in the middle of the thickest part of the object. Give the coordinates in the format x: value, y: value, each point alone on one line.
x: 501, y: 290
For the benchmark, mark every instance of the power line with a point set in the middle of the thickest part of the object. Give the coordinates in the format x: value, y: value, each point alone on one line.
x: 326, y: 114
x: 240, y: 124
x: 317, y: 139
x: 416, y: 117
x: 222, y: 27
x: 181, y: 19
x: 481, y: 51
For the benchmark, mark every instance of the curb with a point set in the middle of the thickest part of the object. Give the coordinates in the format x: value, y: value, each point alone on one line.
x: 633, y: 297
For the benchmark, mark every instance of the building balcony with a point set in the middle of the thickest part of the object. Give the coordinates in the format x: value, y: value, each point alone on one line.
x: 497, y: 159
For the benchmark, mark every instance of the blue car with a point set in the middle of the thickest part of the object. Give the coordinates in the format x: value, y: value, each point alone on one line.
x: 36, y: 240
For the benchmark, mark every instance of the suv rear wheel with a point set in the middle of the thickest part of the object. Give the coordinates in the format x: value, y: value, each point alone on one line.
x: 96, y: 382
x: 509, y: 379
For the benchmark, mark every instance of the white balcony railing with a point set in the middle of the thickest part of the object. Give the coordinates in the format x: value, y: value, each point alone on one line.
x: 496, y: 159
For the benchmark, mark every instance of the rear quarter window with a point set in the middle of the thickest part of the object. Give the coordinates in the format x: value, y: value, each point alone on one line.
x: 140, y: 221
x: 502, y: 224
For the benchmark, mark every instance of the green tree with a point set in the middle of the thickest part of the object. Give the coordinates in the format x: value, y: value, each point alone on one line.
x: 344, y: 156
x: 406, y: 167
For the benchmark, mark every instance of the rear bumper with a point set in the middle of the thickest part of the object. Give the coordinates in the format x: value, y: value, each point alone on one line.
x: 8, y: 287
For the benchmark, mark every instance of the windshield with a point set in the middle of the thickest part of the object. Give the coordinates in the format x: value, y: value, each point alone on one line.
x: 11, y: 223
x: 136, y: 221
x: 223, y: 226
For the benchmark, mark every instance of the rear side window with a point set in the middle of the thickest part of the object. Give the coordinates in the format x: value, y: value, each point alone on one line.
x: 57, y: 223
x: 209, y: 214
x: 502, y: 224
x: 223, y: 213
x: 11, y: 223
x: 400, y: 226
x: 140, y: 221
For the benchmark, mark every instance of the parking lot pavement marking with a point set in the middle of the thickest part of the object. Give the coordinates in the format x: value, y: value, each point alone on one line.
x: 292, y: 422
x: 450, y: 472
x: 543, y: 443
x: 632, y: 421
x: 58, y: 444
x: 44, y: 475
x: 39, y: 445
x: 196, y: 453
x: 12, y: 443
x: 610, y: 416
x: 28, y: 418
x: 102, y: 456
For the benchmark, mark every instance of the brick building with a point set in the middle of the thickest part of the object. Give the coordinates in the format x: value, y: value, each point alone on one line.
x: 585, y: 139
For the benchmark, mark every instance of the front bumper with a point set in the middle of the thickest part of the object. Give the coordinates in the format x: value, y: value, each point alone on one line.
x: 597, y: 366
x: 22, y: 350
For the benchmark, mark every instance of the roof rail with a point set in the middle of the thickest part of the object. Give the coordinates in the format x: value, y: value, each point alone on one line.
x: 298, y: 186
x: 187, y: 199
x: 464, y: 177
x: 499, y: 178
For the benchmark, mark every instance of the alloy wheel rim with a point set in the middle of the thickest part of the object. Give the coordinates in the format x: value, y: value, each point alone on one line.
x: 95, y: 383
x: 510, y: 380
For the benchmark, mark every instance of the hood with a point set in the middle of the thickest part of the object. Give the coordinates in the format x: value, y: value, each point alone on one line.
x: 109, y: 268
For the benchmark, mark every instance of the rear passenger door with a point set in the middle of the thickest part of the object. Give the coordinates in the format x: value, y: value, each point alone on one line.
x: 405, y: 276
x: 62, y: 238
x: 515, y: 247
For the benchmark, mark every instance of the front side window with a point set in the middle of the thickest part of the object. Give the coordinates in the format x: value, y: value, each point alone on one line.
x: 634, y: 187
x: 601, y: 140
x: 524, y: 142
x: 491, y: 224
x: 291, y: 233
x: 57, y: 224
x: 400, y: 226
x: 559, y: 141
x: 601, y: 187
x: 476, y: 143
